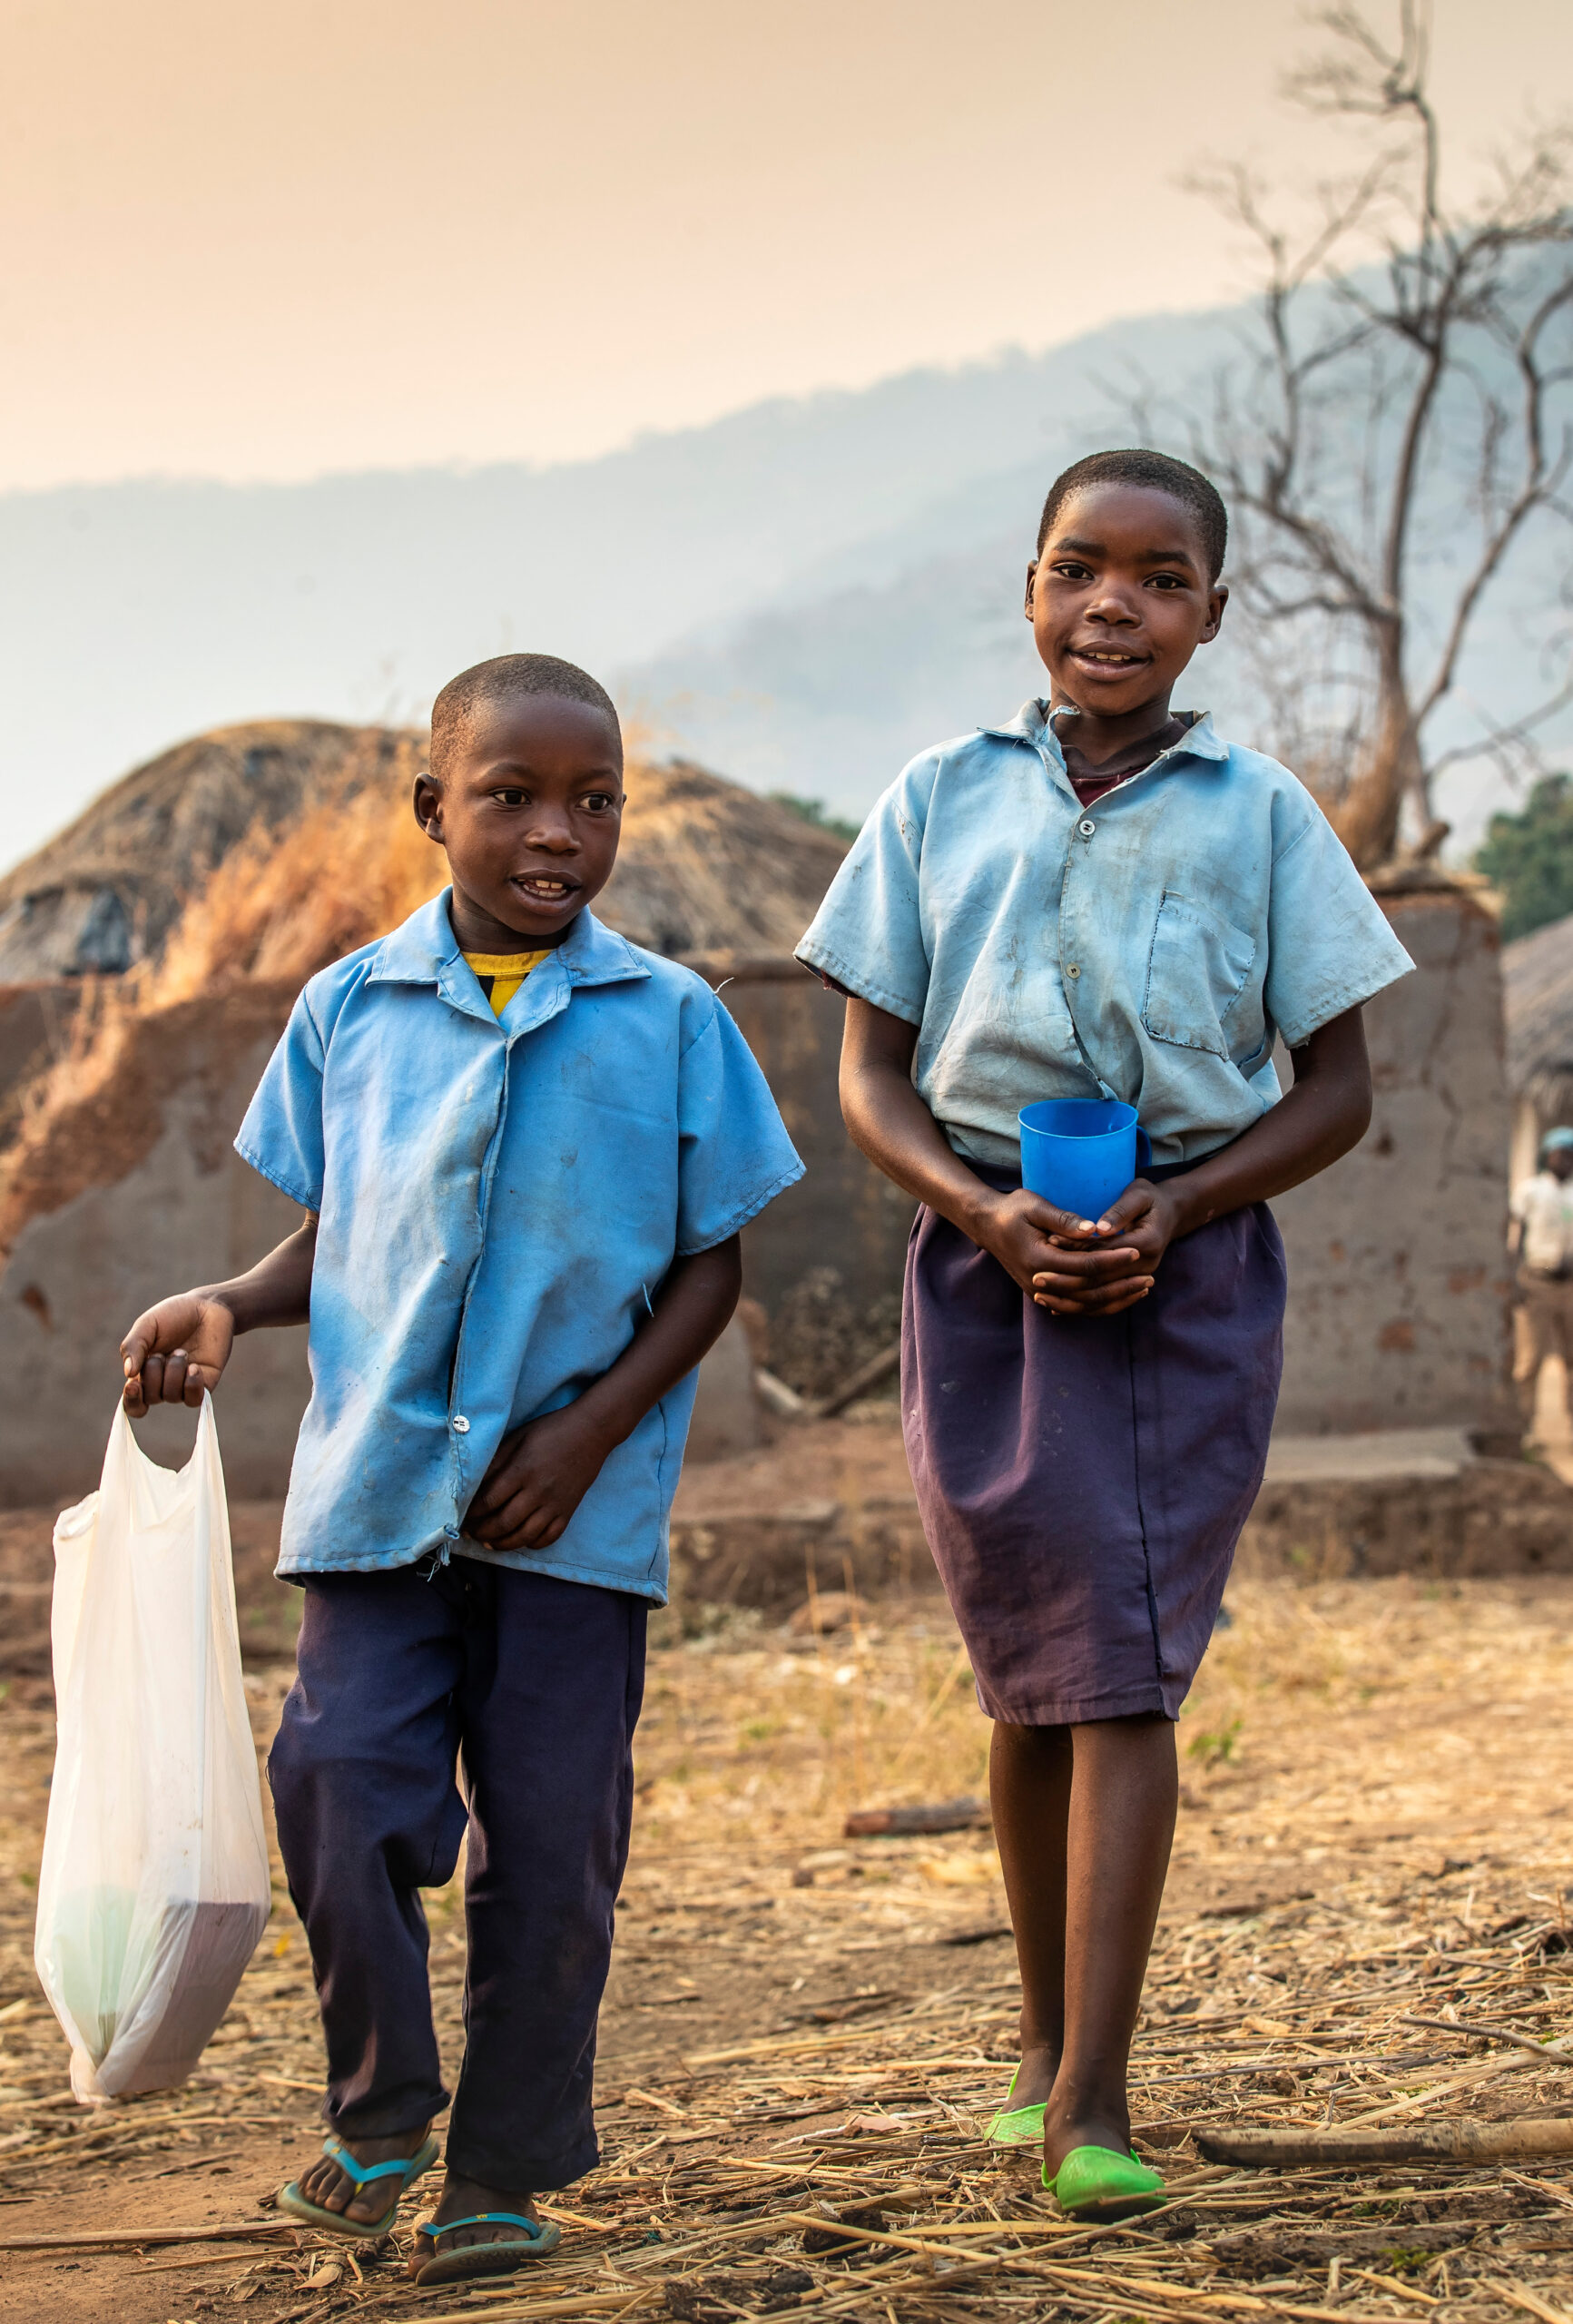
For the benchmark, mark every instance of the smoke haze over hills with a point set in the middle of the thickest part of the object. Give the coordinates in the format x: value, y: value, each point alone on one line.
x: 800, y: 594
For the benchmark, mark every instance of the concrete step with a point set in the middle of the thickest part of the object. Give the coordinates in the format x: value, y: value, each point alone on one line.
x: 1382, y: 1454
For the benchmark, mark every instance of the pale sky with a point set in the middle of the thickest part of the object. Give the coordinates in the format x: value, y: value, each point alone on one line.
x: 269, y: 242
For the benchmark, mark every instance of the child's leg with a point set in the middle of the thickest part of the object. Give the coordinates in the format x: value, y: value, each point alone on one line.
x: 1532, y: 1345
x: 363, y: 1778
x: 548, y: 1703
x: 1030, y: 1784
x: 1086, y: 1817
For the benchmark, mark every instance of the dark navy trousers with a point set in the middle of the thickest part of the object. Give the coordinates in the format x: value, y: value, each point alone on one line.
x: 524, y: 1691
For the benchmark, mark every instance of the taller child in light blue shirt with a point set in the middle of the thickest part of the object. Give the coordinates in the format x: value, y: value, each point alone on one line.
x: 1099, y: 899
x: 521, y: 1236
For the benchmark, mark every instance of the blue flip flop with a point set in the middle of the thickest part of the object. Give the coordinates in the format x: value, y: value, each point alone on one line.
x: 405, y: 2169
x: 1018, y: 2125
x: 499, y: 2257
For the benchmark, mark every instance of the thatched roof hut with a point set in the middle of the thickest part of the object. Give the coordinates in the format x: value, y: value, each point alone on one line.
x: 106, y: 891
x: 1538, y: 997
x: 706, y: 865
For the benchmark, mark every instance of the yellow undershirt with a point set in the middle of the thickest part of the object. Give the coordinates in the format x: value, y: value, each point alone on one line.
x: 500, y: 974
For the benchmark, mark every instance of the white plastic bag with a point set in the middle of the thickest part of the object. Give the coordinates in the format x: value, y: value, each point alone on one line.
x: 154, y: 1888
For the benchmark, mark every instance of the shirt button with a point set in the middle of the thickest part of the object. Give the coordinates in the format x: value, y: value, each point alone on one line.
x: 1073, y: 970
x: 461, y: 1425
x: 1087, y: 827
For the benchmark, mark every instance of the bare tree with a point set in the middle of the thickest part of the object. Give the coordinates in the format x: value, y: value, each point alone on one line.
x: 1409, y: 360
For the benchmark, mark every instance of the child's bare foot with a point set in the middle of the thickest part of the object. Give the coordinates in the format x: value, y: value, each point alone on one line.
x: 333, y: 2190
x: 462, y: 2199
x: 1035, y: 2074
x: 1064, y: 2132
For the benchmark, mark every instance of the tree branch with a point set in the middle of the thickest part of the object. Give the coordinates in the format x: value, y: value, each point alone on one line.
x: 1540, y: 482
x: 1501, y: 740
x: 1331, y: 539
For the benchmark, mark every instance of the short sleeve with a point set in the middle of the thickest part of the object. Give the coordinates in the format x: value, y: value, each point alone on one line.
x: 281, y: 1134
x: 1520, y: 1199
x: 868, y: 934
x: 734, y: 1155
x: 1329, y: 944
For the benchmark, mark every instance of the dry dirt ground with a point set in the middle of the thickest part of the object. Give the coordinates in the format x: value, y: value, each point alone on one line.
x: 1376, y: 1824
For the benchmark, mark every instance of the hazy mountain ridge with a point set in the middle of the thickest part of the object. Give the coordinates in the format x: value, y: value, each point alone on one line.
x: 132, y: 614
x: 801, y: 594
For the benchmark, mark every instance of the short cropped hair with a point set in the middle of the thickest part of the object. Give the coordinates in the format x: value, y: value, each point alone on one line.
x: 502, y: 679
x: 1155, y: 472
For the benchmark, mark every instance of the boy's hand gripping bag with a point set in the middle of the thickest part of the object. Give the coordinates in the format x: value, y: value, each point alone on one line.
x: 154, y: 1888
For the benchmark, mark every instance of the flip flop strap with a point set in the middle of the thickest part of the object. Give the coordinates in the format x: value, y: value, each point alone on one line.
x: 534, y: 2228
x: 334, y: 2148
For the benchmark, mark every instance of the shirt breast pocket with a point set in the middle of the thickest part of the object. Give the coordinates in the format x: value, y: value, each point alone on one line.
x: 1196, y: 972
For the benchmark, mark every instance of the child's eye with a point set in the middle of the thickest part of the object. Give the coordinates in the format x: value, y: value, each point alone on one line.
x: 598, y: 799
x: 511, y: 797
x: 1071, y: 570
x: 1166, y: 581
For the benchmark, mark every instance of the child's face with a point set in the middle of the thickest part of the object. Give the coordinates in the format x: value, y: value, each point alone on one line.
x: 1120, y: 598
x: 528, y: 810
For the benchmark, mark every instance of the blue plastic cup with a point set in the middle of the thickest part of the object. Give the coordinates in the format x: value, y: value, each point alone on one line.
x: 1081, y: 1153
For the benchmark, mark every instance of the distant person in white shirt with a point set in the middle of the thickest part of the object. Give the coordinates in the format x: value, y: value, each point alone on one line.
x: 1540, y: 1236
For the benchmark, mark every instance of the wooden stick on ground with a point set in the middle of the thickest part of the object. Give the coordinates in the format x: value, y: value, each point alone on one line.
x: 1458, y: 2140
x: 868, y: 1375
x: 125, y: 2239
x: 945, y: 1815
x: 1487, y: 2030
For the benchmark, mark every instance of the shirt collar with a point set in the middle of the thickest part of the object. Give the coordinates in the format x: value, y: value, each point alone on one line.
x: 1031, y: 724
x: 425, y: 946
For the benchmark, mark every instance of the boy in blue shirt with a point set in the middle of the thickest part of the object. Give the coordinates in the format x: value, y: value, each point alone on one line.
x: 524, y: 1149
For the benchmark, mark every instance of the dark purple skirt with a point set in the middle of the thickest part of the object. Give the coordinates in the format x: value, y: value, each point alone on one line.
x: 1083, y: 1481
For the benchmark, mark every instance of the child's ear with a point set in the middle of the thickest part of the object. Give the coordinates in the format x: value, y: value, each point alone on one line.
x: 428, y: 805
x: 1031, y: 577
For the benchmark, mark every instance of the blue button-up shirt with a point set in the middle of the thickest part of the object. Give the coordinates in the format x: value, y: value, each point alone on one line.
x: 498, y: 1200
x: 1146, y: 947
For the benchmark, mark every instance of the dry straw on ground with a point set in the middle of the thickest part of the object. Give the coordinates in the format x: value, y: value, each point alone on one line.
x: 1374, y: 1830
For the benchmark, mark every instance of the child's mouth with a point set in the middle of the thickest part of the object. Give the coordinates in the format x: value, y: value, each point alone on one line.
x: 1115, y: 665
x: 543, y: 888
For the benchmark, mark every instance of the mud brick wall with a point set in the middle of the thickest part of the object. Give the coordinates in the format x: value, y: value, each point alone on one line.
x: 1398, y: 1273
x: 1397, y: 1314
x: 841, y: 1213
x: 1495, y: 1517
x: 147, y: 1198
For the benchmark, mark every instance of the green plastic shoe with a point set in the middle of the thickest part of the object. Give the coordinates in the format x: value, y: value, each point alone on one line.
x: 1016, y: 2126
x: 1095, y: 2182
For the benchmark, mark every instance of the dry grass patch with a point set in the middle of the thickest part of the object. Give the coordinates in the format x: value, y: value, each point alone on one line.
x: 804, y: 2034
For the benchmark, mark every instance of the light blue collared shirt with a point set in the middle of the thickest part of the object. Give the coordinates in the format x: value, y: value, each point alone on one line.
x: 1146, y: 947
x: 498, y: 1200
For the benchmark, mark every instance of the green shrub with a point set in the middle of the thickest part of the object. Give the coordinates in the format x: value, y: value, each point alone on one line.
x: 1529, y: 857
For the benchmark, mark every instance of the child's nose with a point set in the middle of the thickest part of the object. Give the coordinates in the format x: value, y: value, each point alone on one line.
x: 557, y: 837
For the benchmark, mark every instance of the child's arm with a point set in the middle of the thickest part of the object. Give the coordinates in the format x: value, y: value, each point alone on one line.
x: 1112, y: 1264
x: 175, y: 1350
x: 888, y: 1119
x: 1325, y: 1113
x: 542, y: 1472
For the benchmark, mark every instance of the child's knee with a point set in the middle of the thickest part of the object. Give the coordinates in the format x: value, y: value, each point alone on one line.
x: 336, y: 1808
